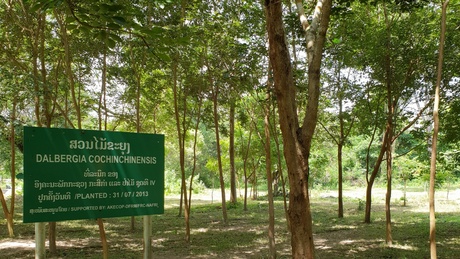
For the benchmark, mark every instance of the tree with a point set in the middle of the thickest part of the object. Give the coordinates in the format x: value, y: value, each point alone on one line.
x: 268, y: 169
x: 9, y: 212
x: 297, y: 139
x: 435, y: 131
x: 341, y: 93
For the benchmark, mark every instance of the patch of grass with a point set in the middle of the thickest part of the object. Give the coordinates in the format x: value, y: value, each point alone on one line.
x: 245, y: 233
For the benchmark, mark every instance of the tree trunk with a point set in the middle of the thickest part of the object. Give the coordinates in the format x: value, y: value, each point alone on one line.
x: 340, y: 179
x: 370, y: 181
x: 233, y: 193
x: 283, y: 180
x: 195, y: 142
x: 181, y: 131
x: 219, y: 157
x: 389, y: 238
x: 391, y: 103
x: 215, y: 94
x: 297, y: 140
x: 35, y: 48
x: 68, y: 66
x: 268, y: 170
x: 245, y: 171
x: 435, y: 132
x: 405, y: 192
x: 102, y: 97
x: 9, y: 213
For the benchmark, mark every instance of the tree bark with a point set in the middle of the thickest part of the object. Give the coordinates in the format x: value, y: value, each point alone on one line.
x: 181, y: 139
x: 219, y: 157
x: 391, y: 103
x: 233, y: 193
x: 268, y: 170
x: 340, y: 180
x: 435, y: 132
x: 245, y: 170
x: 68, y: 67
x: 297, y: 140
x: 195, y: 142
x: 9, y: 213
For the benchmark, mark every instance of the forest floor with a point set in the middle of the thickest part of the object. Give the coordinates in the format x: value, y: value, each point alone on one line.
x: 245, y: 233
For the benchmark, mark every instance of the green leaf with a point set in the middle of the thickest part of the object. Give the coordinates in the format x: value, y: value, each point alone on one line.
x: 85, y: 29
x: 102, y: 35
x: 111, y: 43
x: 72, y: 26
x: 70, y: 19
x: 115, y: 37
x: 155, y: 31
x: 163, y: 56
x: 113, y: 26
x: 115, y: 8
x: 120, y: 20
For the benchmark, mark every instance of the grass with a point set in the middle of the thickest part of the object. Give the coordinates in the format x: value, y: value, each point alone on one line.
x: 245, y: 233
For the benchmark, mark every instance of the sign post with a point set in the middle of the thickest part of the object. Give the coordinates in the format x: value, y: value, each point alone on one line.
x: 40, y: 239
x: 86, y: 174
x: 147, y: 237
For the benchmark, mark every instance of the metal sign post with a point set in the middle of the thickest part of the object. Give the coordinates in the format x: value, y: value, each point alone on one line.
x: 40, y: 252
x: 148, y: 253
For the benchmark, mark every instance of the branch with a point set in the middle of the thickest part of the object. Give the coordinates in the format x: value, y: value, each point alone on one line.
x: 328, y: 132
x: 420, y: 113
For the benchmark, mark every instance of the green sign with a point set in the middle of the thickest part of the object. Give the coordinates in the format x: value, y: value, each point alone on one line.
x: 84, y: 174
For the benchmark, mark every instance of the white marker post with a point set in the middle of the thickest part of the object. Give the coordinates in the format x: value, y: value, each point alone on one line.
x: 148, y: 253
x: 40, y: 251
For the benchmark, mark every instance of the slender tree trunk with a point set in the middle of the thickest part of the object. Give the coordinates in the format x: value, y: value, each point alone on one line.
x: 219, y: 157
x: 391, y: 103
x: 195, y: 142
x: 103, y: 89
x: 10, y: 221
x: 370, y: 180
x: 340, y: 143
x: 435, y: 132
x: 215, y: 94
x: 268, y: 169
x: 233, y: 193
x: 405, y: 191
x: 181, y: 138
x: 75, y: 93
x: 340, y: 179
x: 245, y: 171
x: 137, y: 80
x: 283, y: 180
x: 9, y: 213
x: 254, y: 179
x: 102, y: 105
x: 278, y: 151
x: 47, y: 103
x: 35, y: 49
x: 389, y: 238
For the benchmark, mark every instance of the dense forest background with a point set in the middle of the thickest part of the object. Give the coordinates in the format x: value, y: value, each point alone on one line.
x: 198, y: 72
